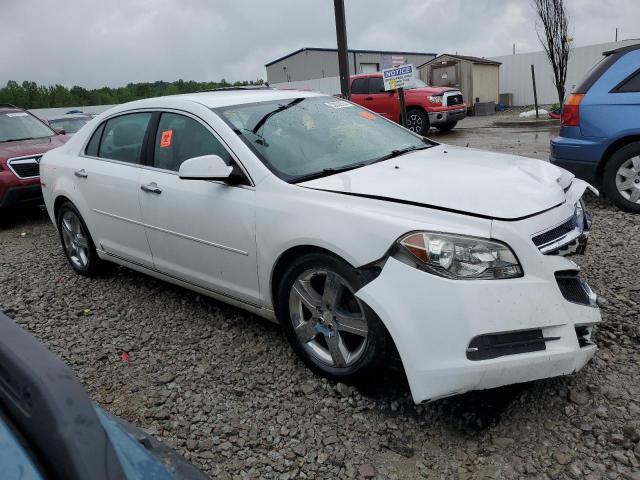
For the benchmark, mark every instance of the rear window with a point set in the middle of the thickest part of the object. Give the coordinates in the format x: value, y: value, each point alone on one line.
x: 595, y: 73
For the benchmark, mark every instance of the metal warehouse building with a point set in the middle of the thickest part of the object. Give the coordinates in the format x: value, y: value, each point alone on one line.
x: 317, y: 68
x: 515, y: 71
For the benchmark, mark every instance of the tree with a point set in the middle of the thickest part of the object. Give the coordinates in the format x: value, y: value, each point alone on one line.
x: 554, y: 37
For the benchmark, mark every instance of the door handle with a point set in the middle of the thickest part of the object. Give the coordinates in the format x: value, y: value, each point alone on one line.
x: 151, y: 188
x: 368, y: 98
x: 81, y: 173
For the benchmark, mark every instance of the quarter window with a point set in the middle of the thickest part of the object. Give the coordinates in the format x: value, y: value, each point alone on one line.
x: 94, y: 143
x: 180, y: 138
x: 631, y: 84
x: 359, y: 85
x: 123, y: 137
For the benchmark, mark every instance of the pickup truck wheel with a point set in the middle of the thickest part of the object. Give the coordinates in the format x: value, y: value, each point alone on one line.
x: 333, y: 332
x: 621, y: 179
x: 445, y: 127
x: 77, y: 242
x: 418, y: 121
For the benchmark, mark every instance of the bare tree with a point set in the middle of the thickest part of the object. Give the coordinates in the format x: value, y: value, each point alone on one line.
x: 554, y: 37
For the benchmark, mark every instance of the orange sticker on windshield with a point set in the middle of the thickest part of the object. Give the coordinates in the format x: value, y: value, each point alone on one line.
x: 367, y: 115
x: 165, y: 139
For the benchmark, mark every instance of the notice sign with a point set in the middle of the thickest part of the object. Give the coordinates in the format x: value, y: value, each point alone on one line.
x: 398, y: 77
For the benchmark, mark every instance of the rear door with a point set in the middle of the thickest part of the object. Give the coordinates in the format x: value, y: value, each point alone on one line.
x: 200, y: 231
x: 359, y: 91
x: 382, y: 102
x: 108, y: 177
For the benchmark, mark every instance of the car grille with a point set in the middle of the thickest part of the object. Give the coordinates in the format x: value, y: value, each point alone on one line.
x: 494, y: 345
x: 555, y: 234
x: 25, y: 167
x: 573, y: 289
x: 454, y: 100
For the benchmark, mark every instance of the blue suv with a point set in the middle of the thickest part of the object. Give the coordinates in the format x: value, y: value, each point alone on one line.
x: 600, y: 128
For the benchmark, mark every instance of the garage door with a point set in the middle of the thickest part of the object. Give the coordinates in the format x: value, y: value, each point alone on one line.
x: 368, y: 67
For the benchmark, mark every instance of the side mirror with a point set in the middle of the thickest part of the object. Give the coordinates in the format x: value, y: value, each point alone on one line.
x: 60, y: 131
x: 206, y: 167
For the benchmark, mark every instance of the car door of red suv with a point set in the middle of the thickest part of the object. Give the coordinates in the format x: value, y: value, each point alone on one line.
x: 384, y: 103
x: 360, y: 91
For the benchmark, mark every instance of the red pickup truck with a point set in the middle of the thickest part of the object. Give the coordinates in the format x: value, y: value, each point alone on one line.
x: 438, y: 107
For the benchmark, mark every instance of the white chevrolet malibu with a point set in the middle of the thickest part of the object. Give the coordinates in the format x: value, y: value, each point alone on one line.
x: 359, y: 237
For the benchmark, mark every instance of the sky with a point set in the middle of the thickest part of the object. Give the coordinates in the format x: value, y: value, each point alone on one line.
x: 94, y: 43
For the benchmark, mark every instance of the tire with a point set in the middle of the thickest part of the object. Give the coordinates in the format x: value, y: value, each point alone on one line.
x: 330, y: 330
x: 418, y: 121
x: 622, y: 171
x: 76, y: 242
x: 445, y: 127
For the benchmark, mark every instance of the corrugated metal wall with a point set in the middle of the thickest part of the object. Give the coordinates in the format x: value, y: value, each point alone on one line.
x: 515, y: 72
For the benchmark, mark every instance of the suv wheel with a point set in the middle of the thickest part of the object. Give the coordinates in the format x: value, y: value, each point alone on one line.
x: 331, y: 330
x: 76, y: 241
x: 621, y: 180
x: 418, y: 121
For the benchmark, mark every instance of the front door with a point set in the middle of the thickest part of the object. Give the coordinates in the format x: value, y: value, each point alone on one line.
x: 382, y: 102
x: 109, y: 178
x: 201, y: 232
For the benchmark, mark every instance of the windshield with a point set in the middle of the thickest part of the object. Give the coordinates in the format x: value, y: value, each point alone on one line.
x: 419, y: 83
x: 302, y: 137
x: 22, y: 126
x: 70, y: 125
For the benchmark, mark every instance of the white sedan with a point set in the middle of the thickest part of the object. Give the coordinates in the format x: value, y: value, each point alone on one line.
x: 359, y: 237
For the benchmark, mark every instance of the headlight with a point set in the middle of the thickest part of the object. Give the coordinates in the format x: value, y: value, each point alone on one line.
x: 435, y: 99
x: 460, y: 257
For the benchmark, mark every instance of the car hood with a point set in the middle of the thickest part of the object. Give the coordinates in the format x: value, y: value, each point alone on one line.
x: 429, y: 91
x: 30, y: 147
x: 462, y: 180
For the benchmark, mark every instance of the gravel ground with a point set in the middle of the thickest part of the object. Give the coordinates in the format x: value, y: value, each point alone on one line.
x: 224, y: 388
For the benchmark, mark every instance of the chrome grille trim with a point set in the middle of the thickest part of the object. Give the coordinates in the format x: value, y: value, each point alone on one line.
x: 15, y: 164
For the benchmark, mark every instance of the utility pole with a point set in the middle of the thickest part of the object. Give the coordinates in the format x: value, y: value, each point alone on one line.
x: 343, y: 59
x: 535, y: 93
x: 616, y: 34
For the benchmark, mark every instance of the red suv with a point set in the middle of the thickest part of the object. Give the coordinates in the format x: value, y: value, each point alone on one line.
x: 23, y: 140
x: 438, y: 107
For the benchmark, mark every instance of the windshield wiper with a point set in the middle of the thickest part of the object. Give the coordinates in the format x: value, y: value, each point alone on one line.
x: 400, y: 151
x: 17, y: 139
x: 273, y: 112
x: 325, y: 172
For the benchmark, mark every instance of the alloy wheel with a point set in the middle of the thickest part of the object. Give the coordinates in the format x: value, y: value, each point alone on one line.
x: 328, y: 319
x: 415, y: 123
x: 75, y: 239
x: 628, y: 179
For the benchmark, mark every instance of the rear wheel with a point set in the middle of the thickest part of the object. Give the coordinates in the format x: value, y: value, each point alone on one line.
x: 76, y: 241
x: 418, y: 121
x: 445, y: 127
x: 332, y: 331
x: 621, y: 180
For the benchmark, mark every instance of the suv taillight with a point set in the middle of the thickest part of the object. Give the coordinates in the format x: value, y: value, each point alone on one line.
x: 571, y: 110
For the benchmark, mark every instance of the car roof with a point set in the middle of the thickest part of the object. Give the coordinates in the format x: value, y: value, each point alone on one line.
x: 83, y: 116
x: 366, y: 75
x: 226, y: 97
x: 10, y: 109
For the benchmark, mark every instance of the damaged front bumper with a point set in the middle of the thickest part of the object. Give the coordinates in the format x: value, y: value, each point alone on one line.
x: 454, y: 336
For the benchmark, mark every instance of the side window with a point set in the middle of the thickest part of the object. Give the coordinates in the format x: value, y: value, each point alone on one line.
x: 359, y: 85
x: 94, y: 143
x: 123, y: 137
x: 632, y: 84
x: 180, y: 138
x: 376, y: 85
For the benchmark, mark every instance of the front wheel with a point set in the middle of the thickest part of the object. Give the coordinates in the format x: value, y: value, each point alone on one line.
x: 334, y: 333
x: 418, y: 121
x: 621, y: 180
x: 445, y: 127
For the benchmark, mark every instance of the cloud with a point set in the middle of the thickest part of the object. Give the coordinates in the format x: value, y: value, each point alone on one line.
x: 94, y: 43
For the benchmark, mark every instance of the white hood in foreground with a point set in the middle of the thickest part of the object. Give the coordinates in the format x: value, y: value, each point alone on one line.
x: 461, y: 179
